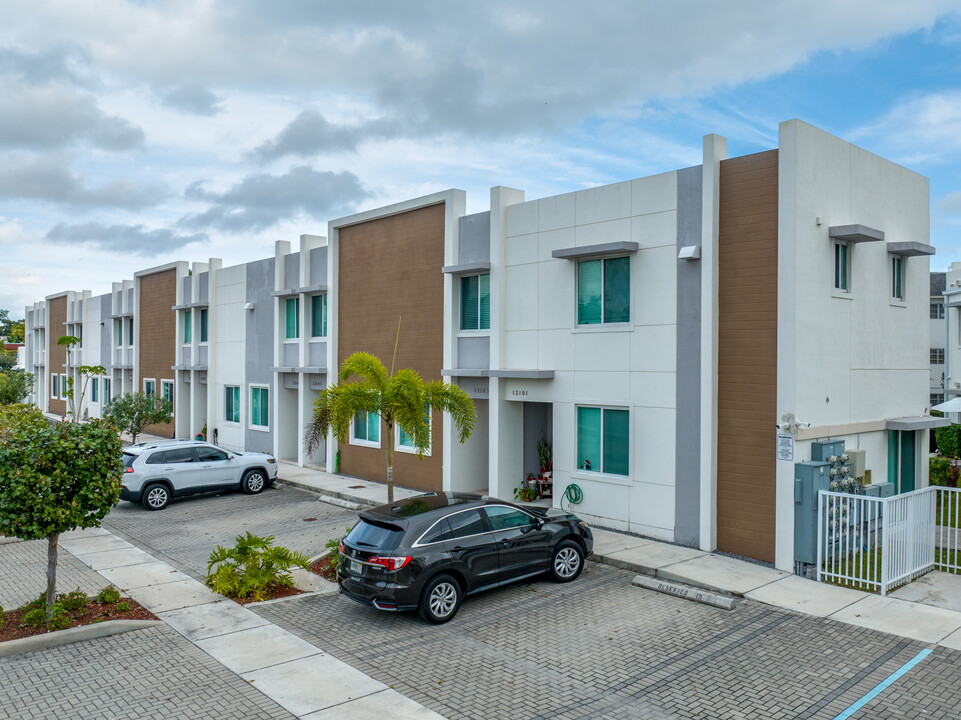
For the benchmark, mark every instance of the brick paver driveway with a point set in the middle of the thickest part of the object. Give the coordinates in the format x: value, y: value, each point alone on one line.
x: 595, y: 648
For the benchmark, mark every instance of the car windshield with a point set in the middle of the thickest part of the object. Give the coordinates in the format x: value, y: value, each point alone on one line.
x: 382, y: 537
x: 128, y: 459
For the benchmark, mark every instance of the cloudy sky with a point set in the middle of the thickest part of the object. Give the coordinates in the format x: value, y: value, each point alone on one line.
x: 136, y: 132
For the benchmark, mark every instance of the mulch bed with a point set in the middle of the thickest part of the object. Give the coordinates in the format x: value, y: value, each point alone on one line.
x: 274, y: 591
x: 10, y: 628
x: 324, y: 568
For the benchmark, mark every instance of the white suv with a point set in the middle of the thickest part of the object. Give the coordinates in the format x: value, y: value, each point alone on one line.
x: 156, y: 472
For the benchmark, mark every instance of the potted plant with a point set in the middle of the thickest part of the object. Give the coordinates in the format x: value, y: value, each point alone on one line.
x: 525, y: 492
x: 545, y: 454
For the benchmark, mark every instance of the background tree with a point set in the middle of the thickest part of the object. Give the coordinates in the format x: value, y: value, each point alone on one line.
x: 55, y: 477
x: 7, y: 359
x: 402, y: 399
x: 15, y: 385
x: 133, y: 412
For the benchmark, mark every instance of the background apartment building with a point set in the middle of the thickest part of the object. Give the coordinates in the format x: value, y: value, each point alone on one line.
x: 666, y: 335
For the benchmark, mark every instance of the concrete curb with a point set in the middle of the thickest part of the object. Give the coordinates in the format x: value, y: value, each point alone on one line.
x: 65, y: 637
x: 684, y: 591
x: 351, y: 502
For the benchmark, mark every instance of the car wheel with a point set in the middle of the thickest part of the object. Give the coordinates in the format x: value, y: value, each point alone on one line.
x: 254, y: 482
x: 155, y: 497
x: 440, y: 599
x: 567, y: 561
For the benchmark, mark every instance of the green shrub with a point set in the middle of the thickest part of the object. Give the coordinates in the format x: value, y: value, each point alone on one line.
x: 34, y: 617
x: 109, y: 595
x: 1, y: 615
x: 75, y: 601
x: 33, y: 604
x: 59, y: 620
x: 123, y: 606
x: 948, y: 440
x: 251, y: 566
x: 938, y: 468
x: 333, y: 547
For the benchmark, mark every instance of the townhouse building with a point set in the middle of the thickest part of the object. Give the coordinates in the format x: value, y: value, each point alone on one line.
x: 938, y: 330
x: 682, y: 341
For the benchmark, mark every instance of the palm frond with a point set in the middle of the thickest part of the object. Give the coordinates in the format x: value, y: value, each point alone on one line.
x: 367, y: 367
x: 455, y: 402
x: 409, y: 407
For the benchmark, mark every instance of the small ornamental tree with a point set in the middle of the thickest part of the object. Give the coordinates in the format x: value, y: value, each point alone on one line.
x: 55, y: 477
x: 84, y: 373
x: 133, y: 412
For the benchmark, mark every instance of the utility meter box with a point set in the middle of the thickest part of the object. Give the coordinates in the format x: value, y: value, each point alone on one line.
x: 809, y: 478
x: 887, y: 490
x: 856, y: 461
x: 821, y: 451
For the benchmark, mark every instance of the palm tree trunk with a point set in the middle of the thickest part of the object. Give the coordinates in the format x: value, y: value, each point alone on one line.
x: 390, y: 463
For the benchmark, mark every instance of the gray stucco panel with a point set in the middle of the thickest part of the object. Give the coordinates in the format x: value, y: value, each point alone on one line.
x: 687, y: 484
x: 204, y: 284
x: 318, y: 266
x: 291, y: 271
x: 474, y: 238
x: 474, y: 352
x: 260, y: 342
x: 106, y: 332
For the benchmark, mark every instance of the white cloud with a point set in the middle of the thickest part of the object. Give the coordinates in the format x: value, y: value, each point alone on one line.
x: 921, y: 129
x: 11, y: 232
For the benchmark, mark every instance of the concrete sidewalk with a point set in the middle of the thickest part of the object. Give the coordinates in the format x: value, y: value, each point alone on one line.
x: 292, y: 672
x: 915, y: 611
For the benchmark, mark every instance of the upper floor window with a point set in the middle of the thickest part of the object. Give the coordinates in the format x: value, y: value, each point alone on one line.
x: 203, y: 325
x: 130, y: 332
x: 318, y: 315
x: 937, y: 356
x: 118, y: 332
x: 841, y: 267
x: 897, y: 285
x: 475, y: 302
x: 186, y: 327
x: 292, y: 309
x: 937, y: 311
x: 604, y: 291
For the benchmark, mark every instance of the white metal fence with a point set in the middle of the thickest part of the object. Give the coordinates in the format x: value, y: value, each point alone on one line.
x: 880, y: 543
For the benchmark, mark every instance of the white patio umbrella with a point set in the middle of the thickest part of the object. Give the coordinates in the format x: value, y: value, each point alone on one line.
x: 952, y: 405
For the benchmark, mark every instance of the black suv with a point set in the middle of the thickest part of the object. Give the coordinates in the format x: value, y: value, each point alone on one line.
x: 429, y: 552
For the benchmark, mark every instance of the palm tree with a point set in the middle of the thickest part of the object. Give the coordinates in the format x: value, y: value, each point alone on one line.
x: 402, y: 398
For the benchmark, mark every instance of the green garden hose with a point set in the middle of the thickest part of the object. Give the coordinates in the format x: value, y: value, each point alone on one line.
x: 573, y: 494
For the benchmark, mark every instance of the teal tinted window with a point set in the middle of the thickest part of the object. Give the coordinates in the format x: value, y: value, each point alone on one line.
x: 896, y: 289
x: 603, y: 440
x: 405, y: 440
x: 149, y: 388
x: 130, y: 332
x: 167, y: 390
x: 54, y: 386
x: 203, y: 325
x: 259, y: 407
x: 232, y: 403
x: 367, y: 427
x: 292, y: 318
x: 94, y: 390
x: 604, y: 291
x: 186, y: 326
x: 475, y: 302
x: 318, y: 316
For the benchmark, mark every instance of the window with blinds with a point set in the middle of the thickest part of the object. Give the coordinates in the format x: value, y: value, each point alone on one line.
x: 603, y: 440
x: 604, y: 291
x: 475, y: 302
x: 318, y: 316
x: 292, y: 307
x: 259, y: 407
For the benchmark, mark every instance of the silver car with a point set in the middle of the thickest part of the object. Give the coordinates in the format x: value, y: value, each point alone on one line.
x: 156, y: 472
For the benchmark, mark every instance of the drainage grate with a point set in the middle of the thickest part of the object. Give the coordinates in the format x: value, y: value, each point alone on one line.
x: 355, y: 487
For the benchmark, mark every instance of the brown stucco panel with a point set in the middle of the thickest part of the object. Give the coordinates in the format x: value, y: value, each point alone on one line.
x: 158, y: 334
x: 390, y: 270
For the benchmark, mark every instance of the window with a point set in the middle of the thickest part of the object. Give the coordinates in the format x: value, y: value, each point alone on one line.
x: 937, y: 311
x: 167, y: 390
x: 64, y: 387
x: 203, y: 325
x: 106, y: 390
x: 475, y: 302
x: 118, y: 332
x: 259, y: 407
x: 149, y: 387
x: 367, y: 429
x: 209, y: 454
x: 504, y: 518
x: 405, y: 443
x: 841, y: 267
x: 94, y: 390
x: 293, y: 318
x: 54, y: 386
x: 155, y: 459
x: 232, y: 403
x: 130, y: 332
x: 180, y: 455
x: 318, y: 315
x: 186, y: 327
x: 465, y: 524
x: 604, y: 291
x: 603, y: 440
x: 937, y: 398
x: 897, y: 291
x: 937, y: 356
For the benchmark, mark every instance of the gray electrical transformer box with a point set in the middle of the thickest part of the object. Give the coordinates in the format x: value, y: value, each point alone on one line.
x: 809, y: 478
x: 821, y: 451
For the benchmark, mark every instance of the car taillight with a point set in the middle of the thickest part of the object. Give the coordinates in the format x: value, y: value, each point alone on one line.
x: 341, y: 546
x: 389, y: 563
x: 129, y: 469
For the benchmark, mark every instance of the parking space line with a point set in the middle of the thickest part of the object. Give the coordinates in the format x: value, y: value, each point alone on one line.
x: 883, y: 685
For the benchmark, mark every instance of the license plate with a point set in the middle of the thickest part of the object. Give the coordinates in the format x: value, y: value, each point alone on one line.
x: 356, y: 567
